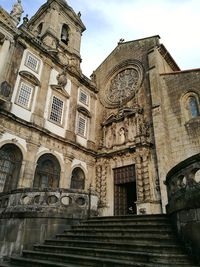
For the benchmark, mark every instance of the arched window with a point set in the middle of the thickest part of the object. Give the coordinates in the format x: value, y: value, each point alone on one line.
x: 47, y: 174
x: 10, y: 165
x: 193, y: 106
x: 77, y: 179
x: 65, y: 34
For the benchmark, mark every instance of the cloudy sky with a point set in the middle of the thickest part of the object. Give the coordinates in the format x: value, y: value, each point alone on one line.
x: 176, y: 21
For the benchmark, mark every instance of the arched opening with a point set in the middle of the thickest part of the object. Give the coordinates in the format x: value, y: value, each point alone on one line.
x: 65, y: 34
x: 39, y: 28
x: 47, y: 174
x: 193, y: 106
x: 10, y: 165
x: 77, y: 179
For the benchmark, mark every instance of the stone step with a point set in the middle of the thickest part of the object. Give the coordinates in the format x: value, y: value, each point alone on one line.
x: 144, y: 237
x: 128, y: 246
x: 148, y: 219
x: 116, y: 254
x: 119, y: 232
x: 119, y: 226
x: 19, y: 261
x: 92, y: 261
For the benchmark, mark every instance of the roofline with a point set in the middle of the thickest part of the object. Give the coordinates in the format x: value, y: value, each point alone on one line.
x: 181, y: 72
x: 121, y: 43
x: 46, y: 5
x: 167, y: 56
x: 140, y: 39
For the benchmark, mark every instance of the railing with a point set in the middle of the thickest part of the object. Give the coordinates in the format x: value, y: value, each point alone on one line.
x: 72, y: 203
x: 183, y: 187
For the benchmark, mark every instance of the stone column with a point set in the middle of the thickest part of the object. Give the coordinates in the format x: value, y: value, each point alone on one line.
x: 29, y: 166
x: 91, y: 137
x: 71, y: 127
x: 38, y: 114
x: 65, y: 180
x: 4, y: 52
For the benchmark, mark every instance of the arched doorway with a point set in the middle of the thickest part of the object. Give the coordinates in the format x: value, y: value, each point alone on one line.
x: 77, y: 179
x: 10, y: 165
x: 47, y: 174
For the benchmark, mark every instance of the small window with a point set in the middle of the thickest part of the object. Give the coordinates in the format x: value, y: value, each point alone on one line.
x: 83, y: 98
x: 193, y: 106
x: 82, y: 124
x: 24, y: 95
x: 56, y: 110
x: 32, y: 62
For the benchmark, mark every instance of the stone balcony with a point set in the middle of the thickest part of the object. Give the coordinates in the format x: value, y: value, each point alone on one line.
x: 45, y: 202
x: 28, y: 216
x: 183, y: 187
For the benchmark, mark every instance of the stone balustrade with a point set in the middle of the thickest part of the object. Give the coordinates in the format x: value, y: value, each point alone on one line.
x: 183, y: 187
x: 72, y: 203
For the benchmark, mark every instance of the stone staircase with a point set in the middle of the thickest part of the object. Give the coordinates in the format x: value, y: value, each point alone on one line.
x: 122, y: 241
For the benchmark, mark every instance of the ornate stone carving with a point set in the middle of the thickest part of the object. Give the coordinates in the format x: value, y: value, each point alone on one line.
x: 17, y: 11
x: 5, y: 89
x: 62, y: 77
x: 101, y: 183
x: 122, y: 83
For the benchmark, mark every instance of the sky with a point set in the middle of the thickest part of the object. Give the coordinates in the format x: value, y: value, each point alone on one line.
x: 175, y: 21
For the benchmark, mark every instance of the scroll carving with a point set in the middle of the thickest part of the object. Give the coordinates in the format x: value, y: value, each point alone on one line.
x: 101, y: 183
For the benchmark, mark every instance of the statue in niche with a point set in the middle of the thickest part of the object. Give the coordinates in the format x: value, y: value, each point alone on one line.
x: 17, y: 11
x: 62, y: 77
x: 142, y: 125
x: 126, y: 126
x: 122, y: 136
x: 113, y: 132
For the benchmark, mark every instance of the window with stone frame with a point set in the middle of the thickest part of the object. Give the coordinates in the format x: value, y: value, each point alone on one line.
x: 32, y: 62
x: 190, y: 105
x: 47, y: 173
x: 25, y: 95
x: 77, y: 179
x: 83, y: 98
x: 56, y: 112
x: 82, y: 125
x: 193, y: 106
x: 10, y: 165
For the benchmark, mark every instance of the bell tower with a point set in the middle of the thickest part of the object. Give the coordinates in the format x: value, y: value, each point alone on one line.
x: 59, y: 28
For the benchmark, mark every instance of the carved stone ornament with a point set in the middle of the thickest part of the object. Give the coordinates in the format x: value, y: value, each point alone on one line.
x: 5, y: 89
x: 62, y: 77
x: 122, y: 84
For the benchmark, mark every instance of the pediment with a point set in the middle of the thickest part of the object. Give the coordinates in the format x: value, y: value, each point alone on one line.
x: 84, y: 111
x: 30, y: 77
x: 60, y: 89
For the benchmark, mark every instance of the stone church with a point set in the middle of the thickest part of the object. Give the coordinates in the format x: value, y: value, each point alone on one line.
x: 124, y: 142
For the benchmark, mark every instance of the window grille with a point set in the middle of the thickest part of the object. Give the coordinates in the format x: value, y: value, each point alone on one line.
x: 32, y: 63
x: 24, y: 95
x: 82, y: 126
x: 83, y: 98
x: 56, y: 110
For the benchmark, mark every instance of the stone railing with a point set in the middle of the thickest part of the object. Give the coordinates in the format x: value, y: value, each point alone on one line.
x: 71, y: 203
x: 183, y: 188
x: 29, y: 216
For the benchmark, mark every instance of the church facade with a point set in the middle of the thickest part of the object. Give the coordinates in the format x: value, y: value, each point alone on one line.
x: 70, y: 145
